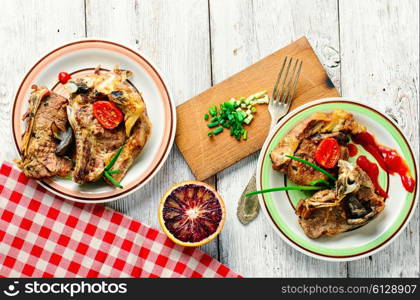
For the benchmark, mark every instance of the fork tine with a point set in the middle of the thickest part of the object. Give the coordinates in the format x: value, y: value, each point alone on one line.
x: 289, y: 84
x: 278, y: 79
x: 284, y: 80
x: 292, y: 92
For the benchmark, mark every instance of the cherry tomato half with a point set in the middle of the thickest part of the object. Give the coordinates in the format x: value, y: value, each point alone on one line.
x: 107, y: 114
x: 328, y: 153
x: 63, y: 77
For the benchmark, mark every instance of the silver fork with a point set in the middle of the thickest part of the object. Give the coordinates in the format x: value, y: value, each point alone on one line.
x: 278, y: 106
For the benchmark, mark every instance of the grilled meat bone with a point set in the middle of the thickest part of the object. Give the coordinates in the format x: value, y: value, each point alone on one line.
x: 96, y: 145
x: 46, y: 113
x: 353, y: 203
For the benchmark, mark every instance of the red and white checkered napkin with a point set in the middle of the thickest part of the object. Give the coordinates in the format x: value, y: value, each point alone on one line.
x: 42, y: 235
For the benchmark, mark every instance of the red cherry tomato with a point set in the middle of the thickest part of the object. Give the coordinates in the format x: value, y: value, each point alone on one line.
x: 107, y: 114
x: 63, y: 77
x: 328, y: 153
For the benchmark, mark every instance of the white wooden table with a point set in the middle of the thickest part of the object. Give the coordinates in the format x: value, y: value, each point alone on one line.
x: 369, y: 48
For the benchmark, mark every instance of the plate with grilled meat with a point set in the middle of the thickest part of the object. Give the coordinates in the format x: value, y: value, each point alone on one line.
x: 93, y: 121
x: 337, y: 179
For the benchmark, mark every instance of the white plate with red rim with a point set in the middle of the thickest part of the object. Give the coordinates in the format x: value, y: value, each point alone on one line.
x: 77, y: 58
x: 279, y: 207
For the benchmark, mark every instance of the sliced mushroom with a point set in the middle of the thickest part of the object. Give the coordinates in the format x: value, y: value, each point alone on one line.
x: 354, y: 207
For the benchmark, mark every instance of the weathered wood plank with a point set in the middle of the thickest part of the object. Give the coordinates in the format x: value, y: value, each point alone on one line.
x: 242, y: 32
x: 26, y: 34
x: 175, y: 35
x: 380, y: 60
x: 379, y: 50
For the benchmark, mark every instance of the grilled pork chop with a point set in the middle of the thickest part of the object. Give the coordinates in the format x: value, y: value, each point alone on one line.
x: 96, y: 145
x: 352, y: 204
x: 303, y: 140
x: 303, y: 174
x: 47, y: 111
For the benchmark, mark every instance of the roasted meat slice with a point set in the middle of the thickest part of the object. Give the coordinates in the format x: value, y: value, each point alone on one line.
x: 303, y: 141
x: 46, y: 115
x: 132, y: 148
x: 95, y: 144
x: 303, y: 174
x: 352, y: 204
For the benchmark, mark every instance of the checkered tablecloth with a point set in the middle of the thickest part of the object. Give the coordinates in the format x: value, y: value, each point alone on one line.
x: 42, y: 235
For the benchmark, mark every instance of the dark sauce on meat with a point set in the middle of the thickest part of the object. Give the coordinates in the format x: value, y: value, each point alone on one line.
x: 387, y: 158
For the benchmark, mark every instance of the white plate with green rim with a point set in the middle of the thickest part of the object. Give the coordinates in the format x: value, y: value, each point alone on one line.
x: 363, y: 241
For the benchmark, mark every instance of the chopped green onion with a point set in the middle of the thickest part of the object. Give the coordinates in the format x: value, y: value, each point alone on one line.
x: 248, y: 119
x: 313, y: 166
x: 213, y: 124
x: 218, y: 130
x: 112, y: 180
x: 213, y: 111
x: 114, y: 159
x: 234, y: 115
x: 257, y: 95
x: 229, y: 105
x: 286, y: 188
x: 263, y: 100
x: 245, y: 135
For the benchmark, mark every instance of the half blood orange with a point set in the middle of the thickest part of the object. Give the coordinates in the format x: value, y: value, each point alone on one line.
x: 192, y: 213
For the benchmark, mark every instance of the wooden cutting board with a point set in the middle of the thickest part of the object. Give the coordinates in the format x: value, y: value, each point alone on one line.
x: 207, y: 156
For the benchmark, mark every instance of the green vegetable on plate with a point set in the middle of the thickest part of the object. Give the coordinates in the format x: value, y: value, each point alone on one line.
x: 325, y: 172
x: 321, y: 181
x: 108, y: 172
x: 286, y: 188
x: 313, y: 185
